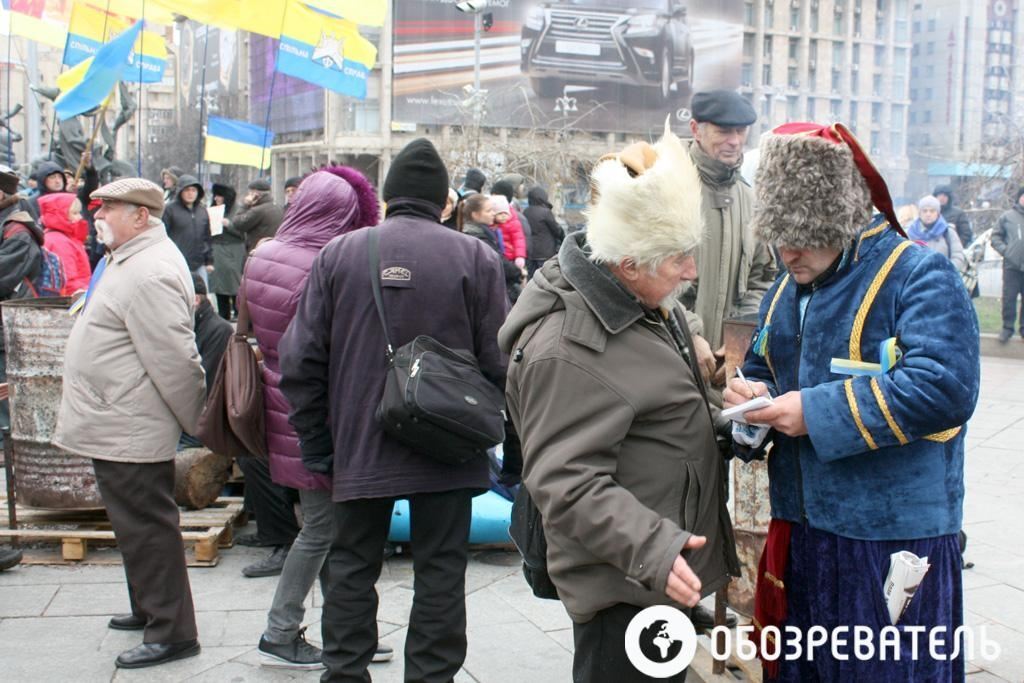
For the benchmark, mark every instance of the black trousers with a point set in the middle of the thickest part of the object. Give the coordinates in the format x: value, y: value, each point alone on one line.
x: 435, y: 646
x: 272, y: 504
x: 1013, y: 289
x: 226, y: 306
x: 600, y: 655
x: 140, y: 503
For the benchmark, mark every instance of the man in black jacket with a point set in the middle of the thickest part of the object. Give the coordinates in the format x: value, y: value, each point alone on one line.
x: 434, y: 282
x: 954, y: 215
x: 188, y: 226
x: 259, y: 217
x: 547, y: 233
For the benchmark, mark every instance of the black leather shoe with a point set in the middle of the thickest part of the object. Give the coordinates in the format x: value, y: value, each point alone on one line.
x: 270, y: 565
x: 151, y: 654
x: 9, y: 558
x: 704, y: 619
x: 127, y: 622
x: 251, y: 541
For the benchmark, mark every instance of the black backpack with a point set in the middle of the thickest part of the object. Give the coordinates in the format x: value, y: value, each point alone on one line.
x: 528, y: 536
x: 436, y: 400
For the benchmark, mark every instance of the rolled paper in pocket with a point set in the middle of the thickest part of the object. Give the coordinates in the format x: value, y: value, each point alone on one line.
x: 906, y: 572
x: 889, y: 354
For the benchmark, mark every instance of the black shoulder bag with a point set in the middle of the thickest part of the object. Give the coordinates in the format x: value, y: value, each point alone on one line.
x: 436, y: 400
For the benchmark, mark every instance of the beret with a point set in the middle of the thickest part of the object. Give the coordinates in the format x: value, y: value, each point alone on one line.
x: 722, y: 108
x: 260, y: 185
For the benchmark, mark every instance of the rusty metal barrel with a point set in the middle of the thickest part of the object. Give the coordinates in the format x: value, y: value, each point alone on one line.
x: 35, y: 336
x: 751, y: 508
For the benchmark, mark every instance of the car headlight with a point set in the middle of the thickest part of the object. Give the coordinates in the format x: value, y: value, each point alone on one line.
x: 535, y: 19
x: 643, y: 23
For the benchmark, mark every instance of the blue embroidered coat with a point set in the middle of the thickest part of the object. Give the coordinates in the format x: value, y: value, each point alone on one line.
x: 883, y: 459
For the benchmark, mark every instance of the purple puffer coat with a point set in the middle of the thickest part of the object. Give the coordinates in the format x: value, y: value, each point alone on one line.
x: 328, y: 203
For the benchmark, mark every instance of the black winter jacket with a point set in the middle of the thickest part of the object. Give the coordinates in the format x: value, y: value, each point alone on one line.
x: 547, y: 233
x: 189, y: 228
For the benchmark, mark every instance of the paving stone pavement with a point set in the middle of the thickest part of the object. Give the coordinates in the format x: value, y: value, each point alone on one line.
x: 53, y: 618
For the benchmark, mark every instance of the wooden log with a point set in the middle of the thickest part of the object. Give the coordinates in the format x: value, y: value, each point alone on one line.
x: 199, y: 476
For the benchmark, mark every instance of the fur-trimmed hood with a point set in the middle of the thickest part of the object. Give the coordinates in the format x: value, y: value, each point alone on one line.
x: 809, y: 193
x: 647, y: 203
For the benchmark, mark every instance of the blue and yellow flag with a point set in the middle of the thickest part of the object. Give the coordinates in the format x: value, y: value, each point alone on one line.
x: 237, y: 142
x: 42, y: 21
x: 366, y: 12
x: 325, y: 51
x: 106, y: 69
x: 263, y: 17
x: 90, y: 28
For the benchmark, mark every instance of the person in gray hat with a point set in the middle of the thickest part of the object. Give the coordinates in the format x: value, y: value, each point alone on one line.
x: 260, y: 216
x: 734, y: 269
x: 133, y: 381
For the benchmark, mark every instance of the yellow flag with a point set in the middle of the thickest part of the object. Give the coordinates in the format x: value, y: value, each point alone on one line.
x: 136, y: 9
x: 366, y: 12
x: 232, y: 14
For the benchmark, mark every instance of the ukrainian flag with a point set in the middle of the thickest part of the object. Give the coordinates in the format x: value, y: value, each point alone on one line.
x: 325, y: 51
x: 366, y: 12
x: 90, y: 28
x: 237, y: 142
x: 106, y: 69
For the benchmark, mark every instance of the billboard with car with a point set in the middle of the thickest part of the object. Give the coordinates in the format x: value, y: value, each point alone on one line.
x: 599, y: 65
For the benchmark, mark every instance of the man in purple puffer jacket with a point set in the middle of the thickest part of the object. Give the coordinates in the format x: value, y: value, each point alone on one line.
x: 328, y: 203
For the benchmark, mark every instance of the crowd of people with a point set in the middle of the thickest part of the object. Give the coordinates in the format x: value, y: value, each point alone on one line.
x: 609, y: 345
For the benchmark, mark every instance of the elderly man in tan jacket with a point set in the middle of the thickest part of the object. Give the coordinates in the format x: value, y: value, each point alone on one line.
x: 132, y: 382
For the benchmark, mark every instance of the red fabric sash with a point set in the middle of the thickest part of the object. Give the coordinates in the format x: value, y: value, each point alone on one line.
x: 770, y: 595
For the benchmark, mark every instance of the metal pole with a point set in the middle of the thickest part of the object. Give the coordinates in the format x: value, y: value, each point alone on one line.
x: 202, y: 104
x: 10, y: 69
x: 9, y: 473
x: 32, y: 104
x: 142, y: 102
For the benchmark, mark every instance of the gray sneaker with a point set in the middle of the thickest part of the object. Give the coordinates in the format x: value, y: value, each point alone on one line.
x: 297, y: 654
x: 383, y: 653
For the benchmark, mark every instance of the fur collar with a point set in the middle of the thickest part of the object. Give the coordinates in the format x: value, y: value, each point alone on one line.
x: 609, y: 300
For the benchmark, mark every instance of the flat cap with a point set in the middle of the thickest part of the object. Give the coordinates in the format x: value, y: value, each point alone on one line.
x: 294, y: 181
x: 722, y: 108
x: 134, y: 191
x: 260, y: 185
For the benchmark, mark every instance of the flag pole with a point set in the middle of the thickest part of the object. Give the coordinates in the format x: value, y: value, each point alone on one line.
x: 202, y: 103
x: 270, y: 95
x: 95, y: 131
x: 142, y: 102
x: 10, y: 68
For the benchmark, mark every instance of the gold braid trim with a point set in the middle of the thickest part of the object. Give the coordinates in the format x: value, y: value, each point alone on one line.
x: 884, y: 407
x: 851, y: 398
x: 869, y: 299
x: 866, y: 234
x: 943, y: 437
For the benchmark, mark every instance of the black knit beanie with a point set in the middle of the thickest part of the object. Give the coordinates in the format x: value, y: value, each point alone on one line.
x: 417, y: 172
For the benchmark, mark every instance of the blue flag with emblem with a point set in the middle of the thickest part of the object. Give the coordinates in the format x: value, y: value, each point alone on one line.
x: 106, y: 70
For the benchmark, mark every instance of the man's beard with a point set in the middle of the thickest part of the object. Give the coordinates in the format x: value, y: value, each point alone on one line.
x: 673, y: 298
x: 104, y: 235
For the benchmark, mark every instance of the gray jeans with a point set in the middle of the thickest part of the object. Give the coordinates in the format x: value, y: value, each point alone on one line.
x: 304, y: 563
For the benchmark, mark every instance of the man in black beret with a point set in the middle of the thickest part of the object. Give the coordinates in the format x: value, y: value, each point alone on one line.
x: 734, y: 269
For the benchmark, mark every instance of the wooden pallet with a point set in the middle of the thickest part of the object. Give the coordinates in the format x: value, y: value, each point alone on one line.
x: 204, y: 531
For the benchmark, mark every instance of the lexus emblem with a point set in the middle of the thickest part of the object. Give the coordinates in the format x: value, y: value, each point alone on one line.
x: 582, y: 22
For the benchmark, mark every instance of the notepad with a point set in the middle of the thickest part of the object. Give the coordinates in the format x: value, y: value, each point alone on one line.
x: 736, y: 412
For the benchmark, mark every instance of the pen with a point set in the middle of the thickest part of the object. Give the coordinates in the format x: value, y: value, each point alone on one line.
x: 739, y: 373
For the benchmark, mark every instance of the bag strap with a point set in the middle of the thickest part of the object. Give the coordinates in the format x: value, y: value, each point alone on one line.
x: 378, y: 298
x: 244, y: 325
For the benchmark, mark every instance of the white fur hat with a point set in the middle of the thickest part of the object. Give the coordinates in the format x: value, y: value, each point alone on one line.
x: 647, y: 203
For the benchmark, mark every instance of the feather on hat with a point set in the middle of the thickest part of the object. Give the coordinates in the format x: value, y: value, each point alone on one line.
x: 646, y: 203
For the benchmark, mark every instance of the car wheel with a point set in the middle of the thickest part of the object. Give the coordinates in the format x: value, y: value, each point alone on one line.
x: 665, y: 79
x: 546, y: 87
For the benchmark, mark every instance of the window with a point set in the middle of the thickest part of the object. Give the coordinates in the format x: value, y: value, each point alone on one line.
x: 769, y: 15
x: 876, y: 142
x: 927, y: 116
x: 899, y: 85
x: 876, y: 112
x: 853, y: 115
x: 766, y: 49
x: 838, y: 26
x: 929, y: 71
x: 811, y: 115
x: 747, y: 74
x: 876, y: 85
x: 930, y: 48
x: 814, y: 19
x: 913, y: 94
x: 792, y: 78
x: 835, y: 109
x: 898, y: 112
x: 854, y: 83
x: 794, y: 48
x: 794, y: 19
x: 913, y: 117
x: 766, y: 74
x: 793, y: 109
x: 856, y: 25
x: 879, y: 55
x: 931, y: 26
x: 917, y: 27
x: 837, y: 55
x: 928, y: 94
x: 748, y: 45
x: 856, y: 54
x: 837, y: 79
x: 748, y: 14
x: 812, y: 48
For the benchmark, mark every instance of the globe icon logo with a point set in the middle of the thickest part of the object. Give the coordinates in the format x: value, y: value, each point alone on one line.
x: 660, y: 641
x: 658, y: 644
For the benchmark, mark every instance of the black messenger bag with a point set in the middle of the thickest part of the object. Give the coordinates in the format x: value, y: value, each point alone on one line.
x: 436, y: 400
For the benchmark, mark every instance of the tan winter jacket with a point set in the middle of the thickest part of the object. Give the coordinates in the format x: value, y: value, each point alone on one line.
x: 619, y: 451
x: 132, y: 376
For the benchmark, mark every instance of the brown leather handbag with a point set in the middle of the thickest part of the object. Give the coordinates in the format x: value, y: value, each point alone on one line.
x: 233, y: 421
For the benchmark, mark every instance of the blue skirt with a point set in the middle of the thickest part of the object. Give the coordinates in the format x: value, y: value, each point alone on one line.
x: 835, y: 581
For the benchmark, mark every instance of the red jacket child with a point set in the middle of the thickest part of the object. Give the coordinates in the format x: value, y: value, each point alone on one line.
x: 61, y: 216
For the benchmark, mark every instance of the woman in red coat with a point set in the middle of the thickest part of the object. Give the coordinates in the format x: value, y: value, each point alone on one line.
x: 65, y: 232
